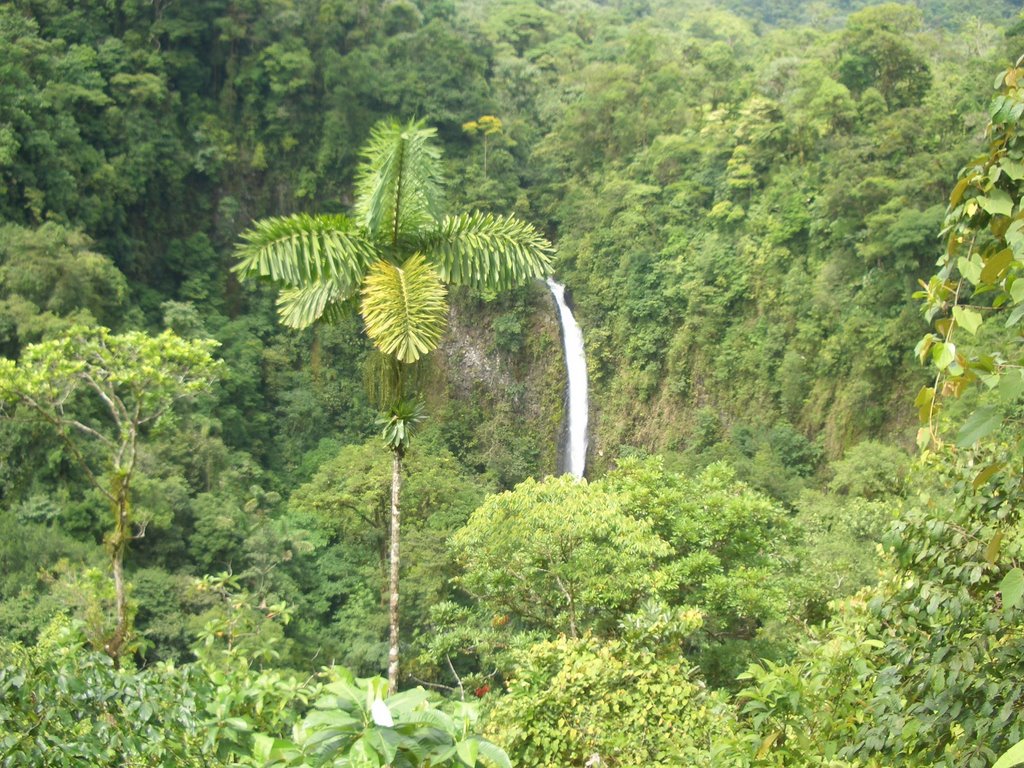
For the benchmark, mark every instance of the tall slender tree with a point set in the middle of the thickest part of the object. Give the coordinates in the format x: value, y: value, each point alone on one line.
x: 396, y: 254
x: 101, y: 392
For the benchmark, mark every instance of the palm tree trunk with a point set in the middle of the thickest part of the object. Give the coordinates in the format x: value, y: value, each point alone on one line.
x: 396, y: 487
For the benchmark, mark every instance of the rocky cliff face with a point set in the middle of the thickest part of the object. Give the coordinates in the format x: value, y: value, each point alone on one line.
x: 499, y: 383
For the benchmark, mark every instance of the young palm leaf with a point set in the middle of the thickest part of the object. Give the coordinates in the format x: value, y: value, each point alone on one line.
x: 404, y: 308
x: 398, y: 188
x: 398, y: 422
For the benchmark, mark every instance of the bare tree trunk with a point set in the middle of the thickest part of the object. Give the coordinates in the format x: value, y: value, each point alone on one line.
x: 396, y: 487
x: 571, y: 603
x: 118, y: 545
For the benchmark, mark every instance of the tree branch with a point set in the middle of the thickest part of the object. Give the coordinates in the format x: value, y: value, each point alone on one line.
x: 85, y: 428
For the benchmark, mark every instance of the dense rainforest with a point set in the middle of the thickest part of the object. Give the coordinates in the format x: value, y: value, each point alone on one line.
x: 243, y: 240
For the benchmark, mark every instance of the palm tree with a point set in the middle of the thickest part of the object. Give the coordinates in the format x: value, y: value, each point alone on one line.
x: 396, y: 254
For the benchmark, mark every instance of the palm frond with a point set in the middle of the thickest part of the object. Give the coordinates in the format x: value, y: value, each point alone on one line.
x: 404, y: 308
x: 301, y: 307
x: 398, y: 185
x: 487, y: 251
x: 303, y: 251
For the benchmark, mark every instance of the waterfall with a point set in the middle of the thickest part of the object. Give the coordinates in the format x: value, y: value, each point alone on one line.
x: 576, y: 365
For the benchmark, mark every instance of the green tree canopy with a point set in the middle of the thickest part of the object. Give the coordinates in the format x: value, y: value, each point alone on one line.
x: 101, y: 393
x: 561, y: 555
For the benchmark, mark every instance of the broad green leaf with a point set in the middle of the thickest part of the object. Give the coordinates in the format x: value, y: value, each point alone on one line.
x: 1011, y: 757
x: 333, y: 738
x: 494, y: 754
x: 434, y: 718
x: 1012, y: 588
x: 1003, y: 109
x: 970, y: 269
x: 968, y: 319
x: 262, y: 747
x: 468, y: 751
x: 958, y: 191
x: 1012, y: 168
x: 1014, y: 237
x: 238, y: 724
x: 924, y: 346
x: 1017, y: 291
x: 1016, y: 315
x: 333, y: 718
x: 924, y: 401
x: 997, y: 203
x: 998, y: 102
x: 1011, y: 385
x: 981, y: 423
x: 409, y: 700
x: 910, y: 729
x: 766, y: 744
x: 943, y: 355
x: 384, y: 742
x: 363, y: 755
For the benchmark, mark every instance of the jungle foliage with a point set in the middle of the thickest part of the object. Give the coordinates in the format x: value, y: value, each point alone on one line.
x: 743, y: 199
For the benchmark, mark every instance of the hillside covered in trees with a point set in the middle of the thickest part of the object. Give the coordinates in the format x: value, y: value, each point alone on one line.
x: 242, y: 241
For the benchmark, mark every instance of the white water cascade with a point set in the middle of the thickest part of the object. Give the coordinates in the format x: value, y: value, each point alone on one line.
x: 576, y: 365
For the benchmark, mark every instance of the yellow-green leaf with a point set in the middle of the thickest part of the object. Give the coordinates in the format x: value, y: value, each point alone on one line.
x: 992, y: 550
x: 924, y: 401
x: 766, y: 744
x: 967, y: 318
x: 985, y: 474
x: 958, y: 192
x: 943, y: 355
x: 1013, y: 756
x: 404, y: 308
x: 996, y: 266
x: 997, y: 203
